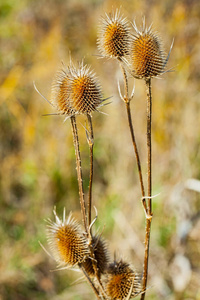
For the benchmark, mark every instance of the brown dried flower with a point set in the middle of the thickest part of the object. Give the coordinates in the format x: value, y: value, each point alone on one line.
x: 100, y: 255
x: 114, y: 35
x: 84, y: 90
x: 60, y: 93
x: 120, y: 280
x: 67, y: 241
x: 76, y: 91
x: 147, y: 55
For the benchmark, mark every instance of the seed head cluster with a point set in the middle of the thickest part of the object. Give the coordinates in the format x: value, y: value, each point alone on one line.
x: 101, y: 257
x: 147, y: 56
x: 143, y: 49
x: 114, y: 36
x: 85, y: 92
x: 120, y: 279
x: 60, y: 93
x: 67, y: 241
x: 76, y: 91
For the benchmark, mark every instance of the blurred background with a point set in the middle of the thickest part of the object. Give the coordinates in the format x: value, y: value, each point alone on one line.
x: 37, y: 156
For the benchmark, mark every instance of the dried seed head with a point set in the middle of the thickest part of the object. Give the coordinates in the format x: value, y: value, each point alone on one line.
x: 148, y: 58
x: 101, y: 257
x: 120, y: 279
x: 85, y: 90
x: 67, y: 241
x: 60, y: 93
x: 114, y: 36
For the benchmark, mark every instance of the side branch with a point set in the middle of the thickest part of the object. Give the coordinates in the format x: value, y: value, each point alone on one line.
x: 136, y: 154
x: 127, y: 100
x: 90, y: 282
x: 79, y: 171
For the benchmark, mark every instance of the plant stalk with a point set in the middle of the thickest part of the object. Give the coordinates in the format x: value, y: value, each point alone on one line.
x: 90, y: 282
x: 127, y: 100
x: 149, y: 151
x: 91, y: 145
x: 136, y: 154
x: 79, y: 171
x: 149, y: 186
x: 90, y: 139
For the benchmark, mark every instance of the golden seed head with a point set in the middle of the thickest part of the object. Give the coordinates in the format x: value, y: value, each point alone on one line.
x: 101, y: 256
x: 114, y: 36
x: 120, y: 278
x: 85, y: 90
x: 60, y: 93
x: 148, y: 58
x: 67, y: 241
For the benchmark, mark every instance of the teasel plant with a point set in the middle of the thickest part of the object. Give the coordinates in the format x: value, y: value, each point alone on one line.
x: 114, y: 39
x: 121, y: 281
x: 148, y: 60
x: 84, y: 95
x: 75, y: 91
x: 69, y: 245
x: 140, y: 54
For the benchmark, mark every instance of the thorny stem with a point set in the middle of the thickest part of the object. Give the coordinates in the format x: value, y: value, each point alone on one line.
x: 91, y: 144
x: 94, y: 265
x: 136, y: 154
x: 149, y: 171
x: 82, y: 200
x: 79, y: 171
x: 90, y: 139
x: 90, y: 282
x: 126, y: 98
x: 146, y: 254
x: 127, y: 103
x: 149, y: 189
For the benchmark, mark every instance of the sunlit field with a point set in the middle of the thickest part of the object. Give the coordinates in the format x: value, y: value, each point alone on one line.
x: 37, y: 158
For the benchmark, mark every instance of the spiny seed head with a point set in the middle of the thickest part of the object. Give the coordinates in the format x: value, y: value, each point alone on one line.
x: 148, y: 58
x: 67, y: 241
x: 85, y: 90
x: 101, y: 257
x: 60, y: 93
x: 114, y: 35
x: 120, y: 279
